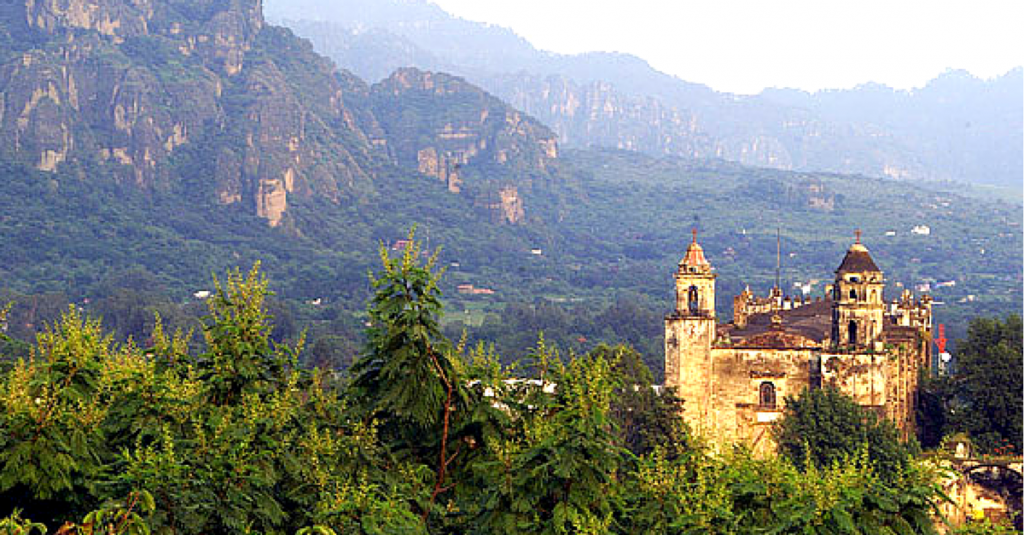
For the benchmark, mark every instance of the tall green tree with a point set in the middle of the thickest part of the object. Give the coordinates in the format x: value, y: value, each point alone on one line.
x: 410, y: 377
x: 824, y: 427
x: 408, y: 372
x: 987, y: 384
x: 559, y: 475
x: 643, y: 417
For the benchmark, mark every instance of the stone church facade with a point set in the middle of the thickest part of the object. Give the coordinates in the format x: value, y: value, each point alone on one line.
x: 734, y: 377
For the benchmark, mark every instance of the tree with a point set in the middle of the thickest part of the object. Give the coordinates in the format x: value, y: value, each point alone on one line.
x: 824, y: 427
x: 644, y: 418
x: 52, y: 411
x: 409, y: 377
x: 559, y: 475
x: 407, y: 370
x: 240, y: 357
x: 987, y: 384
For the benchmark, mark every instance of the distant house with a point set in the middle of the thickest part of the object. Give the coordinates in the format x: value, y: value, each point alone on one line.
x: 921, y: 230
x: 923, y: 287
x: 202, y: 294
x: 536, y: 252
x: 400, y: 245
x: 890, y: 233
x: 469, y: 289
x: 947, y: 284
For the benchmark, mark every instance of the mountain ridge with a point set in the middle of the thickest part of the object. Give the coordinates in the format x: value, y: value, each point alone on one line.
x: 156, y: 94
x: 754, y: 130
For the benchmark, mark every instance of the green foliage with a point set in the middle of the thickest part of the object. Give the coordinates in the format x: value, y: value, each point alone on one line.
x: 644, y: 418
x: 983, y: 527
x: 408, y: 366
x: 559, y: 474
x: 240, y: 359
x: 201, y: 445
x: 987, y: 384
x: 980, y: 397
x: 53, y: 407
x: 15, y: 525
x: 824, y: 427
x: 737, y: 493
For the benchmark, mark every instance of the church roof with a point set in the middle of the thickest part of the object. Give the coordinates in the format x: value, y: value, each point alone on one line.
x: 812, y: 321
x: 778, y: 338
x: 695, y: 255
x: 857, y: 260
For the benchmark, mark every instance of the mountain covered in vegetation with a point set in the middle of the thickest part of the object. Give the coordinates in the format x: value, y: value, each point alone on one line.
x: 149, y: 145
x: 955, y: 128
x: 157, y: 95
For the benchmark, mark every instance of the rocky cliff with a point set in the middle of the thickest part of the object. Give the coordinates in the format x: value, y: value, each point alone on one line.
x: 957, y: 127
x: 156, y: 94
x: 744, y: 131
x: 441, y: 125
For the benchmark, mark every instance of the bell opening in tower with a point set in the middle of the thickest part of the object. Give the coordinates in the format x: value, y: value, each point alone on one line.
x: 693, y: 299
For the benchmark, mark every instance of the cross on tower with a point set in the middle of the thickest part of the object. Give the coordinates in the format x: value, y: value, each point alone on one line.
x: 857, y: 232
x: 694, y: 234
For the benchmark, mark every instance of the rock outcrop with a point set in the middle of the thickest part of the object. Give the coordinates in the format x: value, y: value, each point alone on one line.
x: 440, y: 125
x: 121, y: 87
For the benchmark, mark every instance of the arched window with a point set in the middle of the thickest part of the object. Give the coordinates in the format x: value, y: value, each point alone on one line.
x: 874, y: 296
x: 767, y: 398
x: 853, y: 332
x: 694, y: 300
x: 853, y: 293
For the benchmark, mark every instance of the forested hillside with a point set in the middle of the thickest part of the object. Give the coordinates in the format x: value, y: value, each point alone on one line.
x: 595, y: 265
x: 189, y: 137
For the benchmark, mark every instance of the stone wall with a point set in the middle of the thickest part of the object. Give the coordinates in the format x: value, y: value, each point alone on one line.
x: 689, y: 365
x: 737, y: 377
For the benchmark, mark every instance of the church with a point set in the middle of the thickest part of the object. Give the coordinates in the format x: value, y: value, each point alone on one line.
x: 734, y: 377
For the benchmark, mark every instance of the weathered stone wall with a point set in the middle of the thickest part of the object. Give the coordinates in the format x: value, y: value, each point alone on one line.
x: 689, y: 366
x: 863, y: 377
x: 737, y: 375
x: 977, y: 491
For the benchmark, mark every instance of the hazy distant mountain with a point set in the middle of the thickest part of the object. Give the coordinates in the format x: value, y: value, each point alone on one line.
x: 956, y: 128
x: 969, y: 127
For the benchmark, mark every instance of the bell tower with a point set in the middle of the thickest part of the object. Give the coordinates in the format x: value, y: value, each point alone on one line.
x: 858, y: 307
x: 689, y: 333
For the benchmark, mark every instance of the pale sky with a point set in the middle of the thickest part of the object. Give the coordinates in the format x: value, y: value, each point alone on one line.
x: 742, y: 46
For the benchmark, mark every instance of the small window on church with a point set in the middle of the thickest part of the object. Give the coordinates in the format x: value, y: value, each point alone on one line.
x: 694, y: 300
x: 767, y: 400
x: 853, y: 293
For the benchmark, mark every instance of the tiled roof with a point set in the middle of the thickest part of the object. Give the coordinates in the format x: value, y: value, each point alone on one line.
x: 857, y: 260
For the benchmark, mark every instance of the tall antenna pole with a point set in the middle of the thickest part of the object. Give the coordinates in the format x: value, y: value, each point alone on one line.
x: 778, y: 257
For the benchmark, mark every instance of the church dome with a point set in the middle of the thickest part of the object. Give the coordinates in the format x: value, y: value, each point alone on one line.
x: 858, y: 260
x: 695, y: 257
x: 694, y: 260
